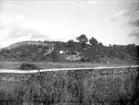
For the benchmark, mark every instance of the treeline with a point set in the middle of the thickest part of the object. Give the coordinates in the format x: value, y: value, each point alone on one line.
x: 88, y: 49
x: 91, y: 49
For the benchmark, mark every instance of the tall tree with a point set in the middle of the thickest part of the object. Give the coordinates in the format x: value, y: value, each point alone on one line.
x: 83, y: 40
x: 93, y: 42
x: 70, y: 43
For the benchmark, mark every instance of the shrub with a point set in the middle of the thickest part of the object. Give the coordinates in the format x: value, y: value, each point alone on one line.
x: 54, y: 55
x: 27, y: 66
x: 1, y: 66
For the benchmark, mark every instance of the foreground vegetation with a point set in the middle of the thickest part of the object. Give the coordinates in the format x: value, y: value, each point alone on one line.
x: 71, y: 88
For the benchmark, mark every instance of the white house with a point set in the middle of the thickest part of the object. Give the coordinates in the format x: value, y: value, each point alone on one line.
x: 61, y: 52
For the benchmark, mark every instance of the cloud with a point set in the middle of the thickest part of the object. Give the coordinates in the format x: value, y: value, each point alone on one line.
x: 129, y: 12
x: 9, y: 23
x: 16, y: 27
x: 123, y: 13
x: 134, y: 22
x: 134, y: 33
x: 93, y: 1
x: 11, y: 6
x: 38, y: 35
x: 30, y: 33
x: 136, y: 5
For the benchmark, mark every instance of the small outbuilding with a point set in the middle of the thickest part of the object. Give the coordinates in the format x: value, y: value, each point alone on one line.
x: 61, y: 52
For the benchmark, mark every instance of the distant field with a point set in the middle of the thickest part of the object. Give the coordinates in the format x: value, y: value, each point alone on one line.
x: 45, y: 65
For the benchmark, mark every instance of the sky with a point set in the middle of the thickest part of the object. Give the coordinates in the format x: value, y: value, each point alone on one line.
x: 110, y: 22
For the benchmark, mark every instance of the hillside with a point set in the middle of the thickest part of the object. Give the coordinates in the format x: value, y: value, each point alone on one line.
x: 18, y: 44
x: 27, y: 50
x: 70, y: 51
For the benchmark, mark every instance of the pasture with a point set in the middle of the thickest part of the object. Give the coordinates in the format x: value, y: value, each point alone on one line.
x: 50, y: 65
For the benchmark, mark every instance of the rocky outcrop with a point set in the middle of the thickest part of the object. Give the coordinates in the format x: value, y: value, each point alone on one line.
x: 73, y: 58
x: 49, y: 50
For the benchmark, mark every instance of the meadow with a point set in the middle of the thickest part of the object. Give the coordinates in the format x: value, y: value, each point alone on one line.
x: 78, y: 87
x: 50, y: 65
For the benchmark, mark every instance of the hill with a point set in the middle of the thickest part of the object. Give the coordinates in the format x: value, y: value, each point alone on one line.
x: 70, y: 51
x: 26, y: 50
x: 18, y: 44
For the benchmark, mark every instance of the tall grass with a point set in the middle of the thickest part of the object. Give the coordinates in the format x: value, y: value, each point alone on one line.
x: 72, y: 88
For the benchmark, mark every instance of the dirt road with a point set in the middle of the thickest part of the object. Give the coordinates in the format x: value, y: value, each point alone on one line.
x: 62, y: 69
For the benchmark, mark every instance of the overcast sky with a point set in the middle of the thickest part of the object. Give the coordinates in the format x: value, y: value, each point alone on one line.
x: 110, y: 22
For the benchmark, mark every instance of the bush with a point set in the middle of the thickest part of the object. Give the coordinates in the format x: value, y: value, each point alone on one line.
x: 27, y: 66
x: 54, y: 55
x: 1, y: 66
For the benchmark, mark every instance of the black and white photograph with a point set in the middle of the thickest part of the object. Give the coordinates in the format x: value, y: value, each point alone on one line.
x: 69, y: 52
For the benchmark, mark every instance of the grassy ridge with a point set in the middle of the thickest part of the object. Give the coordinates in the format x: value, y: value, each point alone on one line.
x: 70, y: 88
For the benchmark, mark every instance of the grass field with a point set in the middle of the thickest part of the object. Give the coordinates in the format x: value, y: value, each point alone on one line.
x: 16, y: 65
x: 70, y: 88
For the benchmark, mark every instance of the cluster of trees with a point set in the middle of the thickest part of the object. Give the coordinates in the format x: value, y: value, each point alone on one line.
x: 95, y: 50
x: 89, y: 49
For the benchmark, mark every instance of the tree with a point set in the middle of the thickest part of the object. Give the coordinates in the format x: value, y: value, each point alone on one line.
x: 70, y: 43
x: 27, y: 66
x: 93, y: 42
x: 82, y: 39
x: 54, y: 55
x: 45, y: 41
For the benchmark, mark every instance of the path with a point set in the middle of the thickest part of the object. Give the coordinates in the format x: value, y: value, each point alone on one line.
x: 62, y: 69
